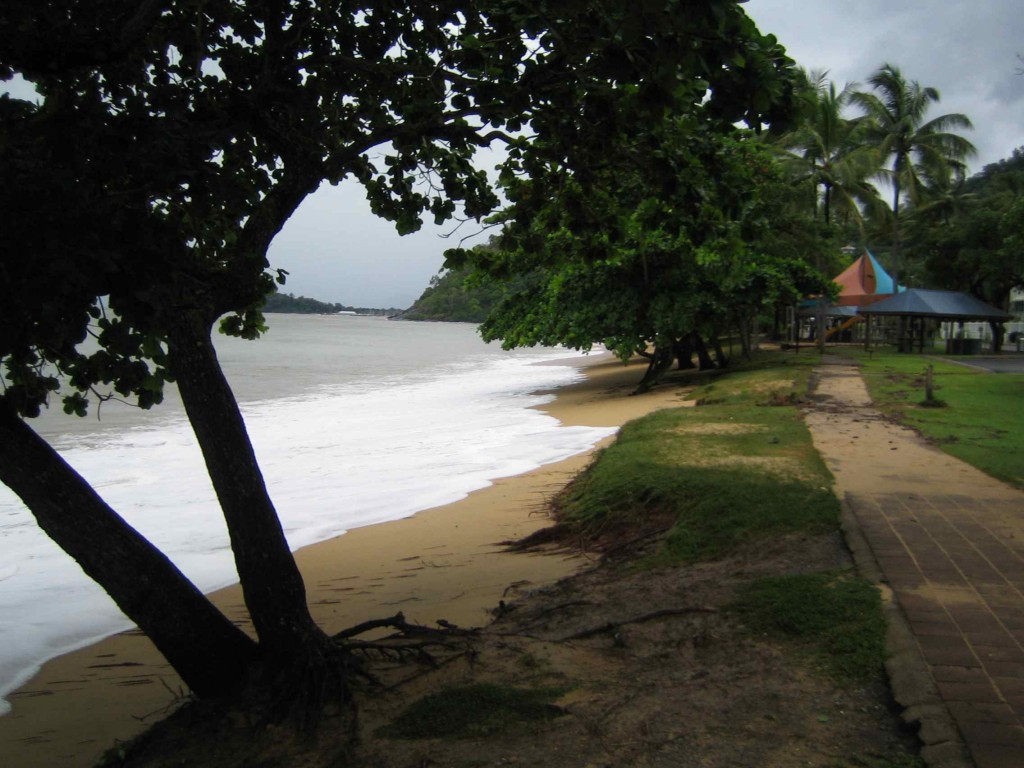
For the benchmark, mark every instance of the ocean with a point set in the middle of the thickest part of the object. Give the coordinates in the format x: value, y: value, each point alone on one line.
x: 355, y: 421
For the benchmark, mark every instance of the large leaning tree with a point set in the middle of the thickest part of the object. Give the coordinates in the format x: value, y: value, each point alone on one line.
x: 171, y: 141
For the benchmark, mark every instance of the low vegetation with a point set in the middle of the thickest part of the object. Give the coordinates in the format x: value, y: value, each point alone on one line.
x: 740, y: 468
x: 713, y: 476
x: 722, y: 515
x: 982, y: 422
x: 835, y: 618
x: 473, y: 711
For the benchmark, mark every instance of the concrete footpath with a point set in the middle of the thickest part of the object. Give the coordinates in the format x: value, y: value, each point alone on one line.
x: 946, y: 544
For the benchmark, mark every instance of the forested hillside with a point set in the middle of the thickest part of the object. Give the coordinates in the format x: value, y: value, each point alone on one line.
x: 450, y: 297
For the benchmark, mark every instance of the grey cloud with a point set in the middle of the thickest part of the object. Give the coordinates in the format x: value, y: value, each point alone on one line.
x: 968, y: 51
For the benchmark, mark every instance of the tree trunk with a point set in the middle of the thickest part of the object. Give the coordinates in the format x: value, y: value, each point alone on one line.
x: 660, y: 362
x: 720, y: 357
x: 209, y: 652
x: 271, y: 583
x: 703, y: 358
x: 683, y: 350
x: 744, y: 329
x: 897, y: 261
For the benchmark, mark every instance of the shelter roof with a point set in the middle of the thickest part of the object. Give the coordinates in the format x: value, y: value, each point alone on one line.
x: 945, y: 305
x: 809, y: 308
x: 864, y: 282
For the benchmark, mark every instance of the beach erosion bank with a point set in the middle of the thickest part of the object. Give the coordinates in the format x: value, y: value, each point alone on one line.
x: 443, y: 563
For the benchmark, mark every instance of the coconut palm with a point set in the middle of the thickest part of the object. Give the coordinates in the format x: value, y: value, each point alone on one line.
x: 825, y: 156
x: 826, y: 150
x: 914, y: 153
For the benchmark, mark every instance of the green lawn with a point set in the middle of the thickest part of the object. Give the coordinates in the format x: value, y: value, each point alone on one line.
x: 837, y: 616
x: 981, y: 422
x: 737, y: 467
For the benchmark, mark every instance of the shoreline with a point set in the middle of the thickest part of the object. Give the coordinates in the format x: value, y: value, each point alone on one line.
x: 443, y: 562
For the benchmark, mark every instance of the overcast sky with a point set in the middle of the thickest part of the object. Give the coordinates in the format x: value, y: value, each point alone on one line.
x: 336, y: 251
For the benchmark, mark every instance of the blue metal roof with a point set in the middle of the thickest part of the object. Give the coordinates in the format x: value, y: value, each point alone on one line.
x: 946, y: 305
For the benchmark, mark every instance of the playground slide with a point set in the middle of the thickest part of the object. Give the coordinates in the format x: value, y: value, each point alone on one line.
x: 840, y: 328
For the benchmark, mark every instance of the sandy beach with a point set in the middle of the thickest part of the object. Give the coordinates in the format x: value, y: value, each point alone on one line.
x: 444, y: 563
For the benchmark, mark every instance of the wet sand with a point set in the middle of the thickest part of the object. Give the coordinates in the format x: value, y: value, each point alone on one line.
x: 444, y: 563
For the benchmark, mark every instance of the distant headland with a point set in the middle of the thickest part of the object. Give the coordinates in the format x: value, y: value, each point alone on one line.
x: 286, y: 303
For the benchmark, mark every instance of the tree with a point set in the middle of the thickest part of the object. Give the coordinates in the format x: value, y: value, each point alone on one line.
x: 977, y: 245
x: 172, y: 142
x: 643, y: 268
x: 919, y: 152
x: 826, y: 150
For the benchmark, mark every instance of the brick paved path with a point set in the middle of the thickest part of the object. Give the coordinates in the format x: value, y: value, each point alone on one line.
x: 949, y: 542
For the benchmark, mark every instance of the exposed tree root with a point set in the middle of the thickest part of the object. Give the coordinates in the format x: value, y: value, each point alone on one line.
x: 316, y: 683
x: 421, y: 672
x: 414, y: 643
x: 553, y: 609
x: 611, y: 626
x: 552, y: 534
x: 405, y: 629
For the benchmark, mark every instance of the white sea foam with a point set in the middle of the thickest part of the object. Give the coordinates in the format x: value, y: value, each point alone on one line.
x: 337, y: 453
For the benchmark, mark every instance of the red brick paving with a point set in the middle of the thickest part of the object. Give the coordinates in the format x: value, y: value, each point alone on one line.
x: 956, y: 567
x: 949, y: 541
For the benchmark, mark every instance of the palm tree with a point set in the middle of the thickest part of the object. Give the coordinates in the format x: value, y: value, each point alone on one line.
x: 826, y: 150
x: 915, y: 154
x: 826, y: 157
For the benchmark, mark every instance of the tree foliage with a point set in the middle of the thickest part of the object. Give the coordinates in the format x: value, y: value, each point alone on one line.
x: 650, y: 268
x: 977, y: 244
x: 827, y: 151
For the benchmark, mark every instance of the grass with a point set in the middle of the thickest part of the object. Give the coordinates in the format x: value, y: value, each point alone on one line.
x: 773, y: 378
x: 982, y: 421
x: 837, y: 618
x: 473, y: 711
x: 732, y: 471
x: 716, y: 476
x: 739, y: 468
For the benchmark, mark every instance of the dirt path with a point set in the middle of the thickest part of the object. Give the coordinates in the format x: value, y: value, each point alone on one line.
x: 948, y: 541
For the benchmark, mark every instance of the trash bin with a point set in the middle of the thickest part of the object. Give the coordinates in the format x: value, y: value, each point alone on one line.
x: 963, y: 346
